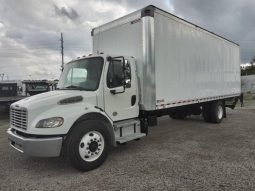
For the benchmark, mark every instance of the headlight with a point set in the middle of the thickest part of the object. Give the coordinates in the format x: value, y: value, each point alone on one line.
x: 50, y: 122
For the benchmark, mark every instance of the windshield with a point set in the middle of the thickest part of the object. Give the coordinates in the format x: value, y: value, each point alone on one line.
x: 82, y: 74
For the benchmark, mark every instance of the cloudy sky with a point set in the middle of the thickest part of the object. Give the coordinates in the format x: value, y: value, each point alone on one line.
x: 30, y: 29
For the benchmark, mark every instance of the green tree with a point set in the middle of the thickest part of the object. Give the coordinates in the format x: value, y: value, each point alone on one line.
x: 250, y: 70
x: 253, y: 61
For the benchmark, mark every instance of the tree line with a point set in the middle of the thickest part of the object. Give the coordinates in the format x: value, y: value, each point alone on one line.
x: 249, y: 70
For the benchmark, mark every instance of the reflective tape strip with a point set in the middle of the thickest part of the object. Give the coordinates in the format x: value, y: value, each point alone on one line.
x: 199, y: 100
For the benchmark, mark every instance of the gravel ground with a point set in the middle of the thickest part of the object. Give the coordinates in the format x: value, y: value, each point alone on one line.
x: 177, y: 155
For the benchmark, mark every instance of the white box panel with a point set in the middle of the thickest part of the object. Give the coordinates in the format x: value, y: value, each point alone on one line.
x: 178, y: 63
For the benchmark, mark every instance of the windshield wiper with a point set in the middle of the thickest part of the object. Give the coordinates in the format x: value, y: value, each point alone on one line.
x: 73, y: 87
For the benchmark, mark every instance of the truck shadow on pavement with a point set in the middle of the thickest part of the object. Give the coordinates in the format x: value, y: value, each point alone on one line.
x: 46, y: 165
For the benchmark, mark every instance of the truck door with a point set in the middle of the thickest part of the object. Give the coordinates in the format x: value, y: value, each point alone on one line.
x: 120, y: 92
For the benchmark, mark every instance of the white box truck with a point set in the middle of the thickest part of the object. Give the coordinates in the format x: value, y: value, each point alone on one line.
x: 144, y: 65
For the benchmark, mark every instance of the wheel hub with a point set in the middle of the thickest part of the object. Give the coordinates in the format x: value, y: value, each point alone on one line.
x: 91, y: 146
x: 220, y: 112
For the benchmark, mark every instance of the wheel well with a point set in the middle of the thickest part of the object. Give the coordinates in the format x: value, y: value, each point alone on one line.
x: 97, y: 117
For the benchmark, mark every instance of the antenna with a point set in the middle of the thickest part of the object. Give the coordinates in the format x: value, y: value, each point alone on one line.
x: 62, y: 52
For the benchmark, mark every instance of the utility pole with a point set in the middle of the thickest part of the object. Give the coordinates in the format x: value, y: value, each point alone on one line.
x: 62, y: 51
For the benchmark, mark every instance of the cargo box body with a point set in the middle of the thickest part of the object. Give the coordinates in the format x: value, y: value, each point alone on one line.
x: 178, y: 63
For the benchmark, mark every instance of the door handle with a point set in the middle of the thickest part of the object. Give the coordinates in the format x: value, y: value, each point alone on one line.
x: 117, y: 90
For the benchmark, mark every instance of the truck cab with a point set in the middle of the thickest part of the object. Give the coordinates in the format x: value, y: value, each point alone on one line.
x: 95, y: 106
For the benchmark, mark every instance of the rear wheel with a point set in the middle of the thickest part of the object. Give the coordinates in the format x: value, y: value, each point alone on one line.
x: 206, y: 112
x: 217, y: 112
x: 213, y: 112
x: 87, y: 145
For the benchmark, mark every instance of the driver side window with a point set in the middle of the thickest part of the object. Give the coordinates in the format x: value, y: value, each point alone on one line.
x: 115, y: 75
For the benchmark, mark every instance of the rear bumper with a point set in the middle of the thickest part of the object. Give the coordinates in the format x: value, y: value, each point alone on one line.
x: 38, y: 147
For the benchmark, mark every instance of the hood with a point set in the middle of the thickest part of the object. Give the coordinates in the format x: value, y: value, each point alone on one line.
x: 50, y: 99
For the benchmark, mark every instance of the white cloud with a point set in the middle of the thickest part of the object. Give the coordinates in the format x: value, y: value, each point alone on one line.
x: 30, y: 34
x: 170, y: 6
x: 2, y: 32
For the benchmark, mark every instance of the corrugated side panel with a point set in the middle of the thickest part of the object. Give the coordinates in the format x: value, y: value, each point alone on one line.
x: 192, y: 64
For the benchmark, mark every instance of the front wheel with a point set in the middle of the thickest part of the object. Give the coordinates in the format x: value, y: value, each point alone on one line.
x: 88, y: 144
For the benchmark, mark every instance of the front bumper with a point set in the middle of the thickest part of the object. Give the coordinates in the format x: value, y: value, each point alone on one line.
x: 38, y: 147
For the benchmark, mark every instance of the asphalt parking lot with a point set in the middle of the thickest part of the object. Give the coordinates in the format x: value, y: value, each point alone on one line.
x: 177, y: 155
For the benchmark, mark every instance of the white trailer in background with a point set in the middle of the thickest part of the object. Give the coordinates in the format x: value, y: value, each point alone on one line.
x: 144, y: 65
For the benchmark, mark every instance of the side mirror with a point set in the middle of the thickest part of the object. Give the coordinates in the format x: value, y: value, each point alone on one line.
x: 117, y: 90
x: 128, y: 83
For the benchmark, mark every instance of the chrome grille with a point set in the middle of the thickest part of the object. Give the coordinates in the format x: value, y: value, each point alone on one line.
x: 18, y: 117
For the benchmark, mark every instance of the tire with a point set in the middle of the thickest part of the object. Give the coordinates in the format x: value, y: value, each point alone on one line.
x: 144, y: 126
x: 206, y: 112
x: 217, y: 112
x: 87, y: 145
